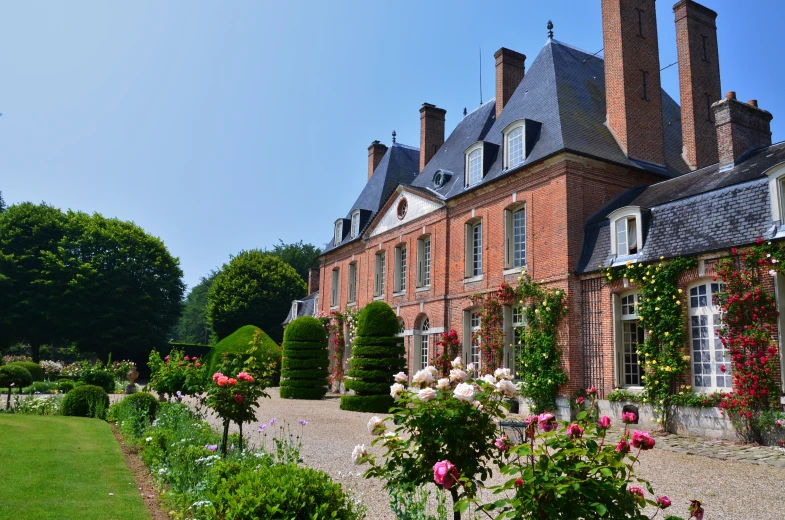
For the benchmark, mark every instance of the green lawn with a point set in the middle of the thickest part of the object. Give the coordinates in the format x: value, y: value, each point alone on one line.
x: 63, y: 468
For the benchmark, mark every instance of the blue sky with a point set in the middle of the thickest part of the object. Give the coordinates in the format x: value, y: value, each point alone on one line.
x: 222, y: 126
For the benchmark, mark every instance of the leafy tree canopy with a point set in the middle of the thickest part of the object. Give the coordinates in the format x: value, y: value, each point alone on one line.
x: 2, y: 202
x: 299, y: 255
x: 254, y: 288
x: 193, y: 326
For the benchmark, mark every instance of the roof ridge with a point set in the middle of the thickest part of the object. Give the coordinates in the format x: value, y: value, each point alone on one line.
x: 405, y: 146
x: 573, y: 47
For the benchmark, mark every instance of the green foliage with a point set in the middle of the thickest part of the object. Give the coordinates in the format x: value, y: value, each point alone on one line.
x: 367, y: 403
x: 30, y: 405
x: 301, y: 364
x: 683, y: 398
x: 255, y: 288
x: 134, y: 413
x: 302, y: 332
x: 305, y: 329
x: 388, y: 364
x: 298, y: 255
x: 34, y: 368
x: 103, y: 378
x: 367, y: 388
x: 315, y: 376
x: 2, y: 202
x: 370, y: 375
x: 144, y: 403
x: 176, y: 373
x: 301, y: 392
x: 40, y: 387
x: 193, y: 325
x: 65, y: 386
x: 365, y: 341
x: 377, y: 319
x: 376, y: 351
x: 237, y: 343
x: 86, y: 401
x: 14, y: 375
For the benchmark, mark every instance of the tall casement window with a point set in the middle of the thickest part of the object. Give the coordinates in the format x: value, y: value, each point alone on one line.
x: 316, y: 305
x: 627, y: 230
x: 379, y: 273
x: 514, y: 321
x: 630, y: 335
x: 338, y: 232
x: 400, y: 269
x: 474, y: 249
x: 334, y: 283
x: 355, y: 224
x: 425, y: 343
x: 474, y: 165
x: 513, y: 145
x: 474, y: 327
x: 352, y: 285
x: 711, y: 366
x: 515, y: 238
x: 424, y: 262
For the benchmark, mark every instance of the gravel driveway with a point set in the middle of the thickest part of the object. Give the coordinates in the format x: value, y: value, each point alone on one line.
x: 729, y: 490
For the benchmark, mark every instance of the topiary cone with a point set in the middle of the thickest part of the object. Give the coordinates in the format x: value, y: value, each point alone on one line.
x: 305, y: 359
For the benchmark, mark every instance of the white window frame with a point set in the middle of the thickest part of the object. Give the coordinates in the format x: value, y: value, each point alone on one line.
x: 626, y: 324
x: 338, y: 232
x: 474, y: 353
x: 468, y: 159
x: 510, y: 261
x: 355, y: 223
x: 315, y: 305
x: 399, y: 278
x: 514, y: 319
x: 351, y: 290
x: 424, y: 343
x: 335, y: 288
x: 424, y: 261
x: 380, y: 272
x: 473, y: 253
x: 508, y: 132
x: 621, y: 218
x: 294, y: 309
x: 776, y: 177
x: 779, y: 293
x: 701, y: 308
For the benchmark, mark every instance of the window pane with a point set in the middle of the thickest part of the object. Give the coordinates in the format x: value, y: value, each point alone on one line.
x: 402, y: 270
x: 515, y: 147
x: 621, y: 237
x: 519, y: 238
x: 709, y: 356
x: 475, y: 167
x: 426, y: 276
x: 631, y: 336
x: 477, y: 250
x: 474, y: 353
x: 424, y: 343
x: 632, y: 235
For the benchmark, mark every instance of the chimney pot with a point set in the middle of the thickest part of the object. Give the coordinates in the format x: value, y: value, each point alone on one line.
x: 731, y: 95
x: 510, y: 69
x: 431, y: 132
x: 375, y: 153
x: 753, y: 102
x: 741, y: 128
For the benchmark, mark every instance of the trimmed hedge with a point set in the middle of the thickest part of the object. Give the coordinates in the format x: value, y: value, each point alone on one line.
x: 238, y: 343
x: 374, y: 363
x: 305, y: 340
x: 299, y: 364
x: 367, y: 403
x: 15, y: 374
x: 103, y: 378
x: 86, y: 401
x: 65, y: 386
x: 143, y: 402
x: 35, y: 369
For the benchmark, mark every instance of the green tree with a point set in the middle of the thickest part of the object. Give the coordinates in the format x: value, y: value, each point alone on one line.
x: 254, y: 288
x: 34, y: 306
x: 193, y: 325
x: 299, y: 255
x: 2, y: 202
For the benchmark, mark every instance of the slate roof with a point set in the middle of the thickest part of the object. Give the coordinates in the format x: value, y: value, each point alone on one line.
x: 304, y: 308
x: 703, y: 211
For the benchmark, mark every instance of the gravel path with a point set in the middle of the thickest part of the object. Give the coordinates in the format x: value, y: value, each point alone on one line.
x: 730, y: 490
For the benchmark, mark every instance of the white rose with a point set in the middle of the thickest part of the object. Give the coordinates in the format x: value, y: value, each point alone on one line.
x: 359, y: 452
x: 443, y: 384
x: 396, y: 390
x: 464, y: 392
x: 488, y: 378
x: 400, y: 377
x: 426, y: 394
x: 432, y: 370
x: 422, y: 377
x: 502, y: 373
x: 470, y: 367
x: 374, y: 426
x: 457, y: 363
x: 458, y: 375
x: 506, y: 387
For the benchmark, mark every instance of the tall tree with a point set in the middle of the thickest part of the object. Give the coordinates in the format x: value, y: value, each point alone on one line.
x: 193, y: 325
x: 2, y: 202
x: 299, y: 255
x: 254, y: 288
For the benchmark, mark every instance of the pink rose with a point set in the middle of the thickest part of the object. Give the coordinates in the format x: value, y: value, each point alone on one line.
x: 245, y: 376
x: 591, y: 391
x: 502, y: 443
x: 580, y: 400
x: 198, y: 365
x: 546, y: 422
x: 638, y: 494
x: 232, y: 381
x: 217, y: 376
x: 238, y: 398
x: 166, y: 359
x: 575, y: 431
x: 628, y: 417
x: 623, y: 446
x: 663, y: 502
x: 222, y: 380
x: 604, y: 422
x: 642, y: 440
x: 445, y: 474
x: 186, y: 358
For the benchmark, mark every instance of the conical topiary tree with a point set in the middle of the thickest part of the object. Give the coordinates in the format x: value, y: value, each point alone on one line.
x: 305, y: 359
x: 377, y: 356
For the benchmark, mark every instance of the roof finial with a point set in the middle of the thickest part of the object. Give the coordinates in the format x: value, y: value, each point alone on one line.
x: 464, y: 111
x: 550, y: 29
x: 394, y: 134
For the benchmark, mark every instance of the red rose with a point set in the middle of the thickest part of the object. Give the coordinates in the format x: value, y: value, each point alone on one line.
x: 238, y: 398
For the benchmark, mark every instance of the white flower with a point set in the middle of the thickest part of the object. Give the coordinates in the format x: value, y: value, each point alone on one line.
x: 443, y: 384
x: 488, y: 378
x: 423, y: 377
x: 478, y: 405
x: 148, y: 439
x: 506, y: 387
x: 426, y: 394
x: 432, y: 370
x: 458, y: 376
x: 464, y: 392
x: 457, y: 363
x: 396, y: 390
x: 502, y: 373
x: 375, y: 426
x: 358, y: 453
x: 400, y: 377
x: 470, y: 367
x: 772, y: 272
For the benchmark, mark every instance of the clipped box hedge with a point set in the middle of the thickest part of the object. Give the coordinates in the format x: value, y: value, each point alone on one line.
x: 305, y: 359
x: 35, y: 369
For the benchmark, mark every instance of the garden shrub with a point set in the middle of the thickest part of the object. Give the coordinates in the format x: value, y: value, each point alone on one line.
x: 14, y: 375
x: 30, y: 405
x: 36, y: 370
x: 305, y: 339
x: 134, y: 413
x: 376, y: 357
x: 65, y: 386
x: 237, y: 343
x: 176, y: 374
x: 144, y: 402
x: 86, y: 401
x: 40, y: 387
x: 102, y: 378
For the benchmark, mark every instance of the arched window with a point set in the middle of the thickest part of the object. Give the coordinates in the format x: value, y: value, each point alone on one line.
x: 425, y: 342
x: 514, y: 152
x: 711, y: 367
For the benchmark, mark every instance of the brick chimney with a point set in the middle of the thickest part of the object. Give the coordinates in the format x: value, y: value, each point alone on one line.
x: 699, y: 80
x: 741, y: 127
x: 375, y: 153
x: 431, y: 132
x: 510, y: 67
x: 632, y: 78
x: 313, y: 280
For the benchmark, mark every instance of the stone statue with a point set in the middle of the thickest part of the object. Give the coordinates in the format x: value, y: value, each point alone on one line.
x: 132, y: 375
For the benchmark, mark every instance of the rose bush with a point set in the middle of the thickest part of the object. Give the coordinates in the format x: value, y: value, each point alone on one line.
x: 176, y: 373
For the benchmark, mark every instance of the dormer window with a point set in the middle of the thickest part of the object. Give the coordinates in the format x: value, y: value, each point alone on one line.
x: 355, y: 223
x: 294, y: 310
x: 626, y: 231
x: 777, y: 193
x: 514, y: 151
x: 474, y: 165
x: 338, y: 232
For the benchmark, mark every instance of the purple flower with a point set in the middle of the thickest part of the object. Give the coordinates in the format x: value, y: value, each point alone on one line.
x: 272, y: 421
x: 212, y: 447
x: 303, y: 422
x: 180, y: 395
x: 13, y: 384
x: 262, y: 427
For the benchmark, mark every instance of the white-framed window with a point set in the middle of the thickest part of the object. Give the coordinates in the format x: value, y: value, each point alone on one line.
x: 474, y: 327
x: 515, y: 238
x: 355, y: 224
x: 425, y: 342
x: 629, y: 334
x: 315, y: 305
x: 626, y: 231
x: 711, y: 363
x: 777, y: 193
x: 400, y: 269
x: 338, y: 232
x: 514, y: 151
x: 514, y: 321
x: 473, y: 253
x: 380, y: 272
x: 424, y: 262
x: 334, y: 287
x: 352, y: 285
x: 294, y: 309
x: 474, y: 164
